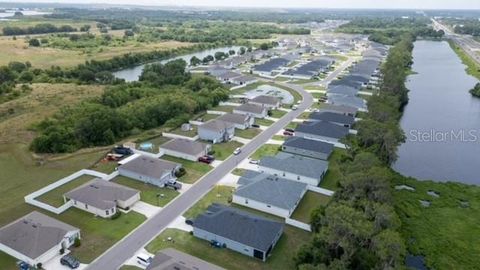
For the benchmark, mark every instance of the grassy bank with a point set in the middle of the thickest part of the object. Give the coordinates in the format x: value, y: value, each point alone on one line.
x: 472, y: 67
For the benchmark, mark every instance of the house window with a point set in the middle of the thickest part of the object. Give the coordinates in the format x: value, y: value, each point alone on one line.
x: 269, y: 206
x: 113, y: 210
x: 86, y: 206
x: 246, y: 201
x: 75, y: 202
x: 284, y: 174
x: 298, y: 177
x: 107, y: 212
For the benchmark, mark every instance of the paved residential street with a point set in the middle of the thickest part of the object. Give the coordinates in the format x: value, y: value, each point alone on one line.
x: 122, y: 251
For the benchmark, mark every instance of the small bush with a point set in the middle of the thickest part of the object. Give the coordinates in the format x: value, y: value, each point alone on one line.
x: 116, y: 215
x: 77, y: 242
x: 181, y: 172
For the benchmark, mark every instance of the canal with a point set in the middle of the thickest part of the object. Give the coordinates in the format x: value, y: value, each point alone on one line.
x: 133, y: 73
x: 442, y: 120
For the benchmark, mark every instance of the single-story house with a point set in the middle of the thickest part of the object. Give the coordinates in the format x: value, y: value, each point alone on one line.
x: 36, y: 238
x: 341, y: 109
x: 252, y: 110
x: 346, y: 100
x: 249, y: 234
x: 321, y: 131
x: 309, y: 148
x: 335, y: 118
x: 101, y: 197
x: 216, y: 131
x: 269, y: 194
x: 244, y: 80
x: 172, y: 259
x: 266, y: 101
x: 149, y: 170
x: 185, y: 149
x: 227, y: 77
x: 241, y: 121
x: 294, y: 167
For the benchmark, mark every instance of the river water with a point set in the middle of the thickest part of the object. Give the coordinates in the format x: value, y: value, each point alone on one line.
x: 133, y: 73
x: 441, y: 120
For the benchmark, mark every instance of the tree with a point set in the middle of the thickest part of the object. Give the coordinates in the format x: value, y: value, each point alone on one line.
x: 129, y: 33
x: 231, y: 52
x: 475, y: 91
x: 242, y: 51
x: 34, y: 42
x: 390, y: 248
x: 220, y: 56
x: 264, y: 46
x: 85, y: 28
x: 195, y: 61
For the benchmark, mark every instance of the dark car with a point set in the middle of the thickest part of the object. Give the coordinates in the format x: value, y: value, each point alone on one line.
x: 173, y: 185
x: 287, y: 133
x: 123, y: 150
x: 289, y: 130
x: 255, y: 126
x: 205, y: 160
x: 70, y: 262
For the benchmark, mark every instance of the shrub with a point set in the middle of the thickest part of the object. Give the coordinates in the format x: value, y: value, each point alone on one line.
x: 116, y: 215
x: 181, y: 172
x: 77, y: 242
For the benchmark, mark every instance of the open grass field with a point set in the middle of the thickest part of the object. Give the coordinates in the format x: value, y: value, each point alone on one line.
x: 45, y: 57
x: 195, y: 170
x: 265, y: 150
x: 55, y: 196
x: 224, y: 150
x: 148, y: 193
x: 445, y: 232
x: 309, y: 202
x: 330, y: 181
x: 248, y: 133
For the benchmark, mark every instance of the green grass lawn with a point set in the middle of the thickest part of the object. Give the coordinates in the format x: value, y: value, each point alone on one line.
x: 223, y: 108
x: 292, y: 125
x: 304, y: 115
x: 159, y: 140
x: 238, y: 171
x: 219, y: 194
x: 278, y: 138
x: 263, y: 122
x: 303, y: 81
x: 8, y: 262
x: 277, y: 113
x: 224, y: 150
x: 129, y: 267
x: 445, y: 233
x: 148, y: 193
x: 105, y: 166
x: 190, y: 133
x: 313, y: 87
x: 318, y: 95
x: 98, y: 234
x: 309, y: 202
x: 207, y: 117
x: 248, y: 133
x: 472, y: 67
x: 195, y: 170
x: 265, y: 150
x: 330, y: 181
x: 55, y: 196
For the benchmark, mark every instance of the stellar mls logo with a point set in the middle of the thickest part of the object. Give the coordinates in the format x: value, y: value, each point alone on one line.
x: 433, y: 135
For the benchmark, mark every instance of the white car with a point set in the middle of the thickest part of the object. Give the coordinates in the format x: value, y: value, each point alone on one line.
x: 237, y: 151
x: 253, y: 161
x: 144, y: 259
x: 294, y: 107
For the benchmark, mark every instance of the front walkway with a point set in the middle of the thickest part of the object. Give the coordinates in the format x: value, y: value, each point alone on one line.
x: 229, y: 180
x: 145, y: 209
x: 179, y: 223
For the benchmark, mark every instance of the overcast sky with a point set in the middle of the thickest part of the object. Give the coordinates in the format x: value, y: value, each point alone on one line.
x: 411, y: 4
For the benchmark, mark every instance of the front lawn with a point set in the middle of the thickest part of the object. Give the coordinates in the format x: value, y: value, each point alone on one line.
x: 277, y: 113
x: 248, y: 133
x: 266, y: 150
x: 263, y: 122
x: 207, y: 117
x: 55, y: 196
x: 189, y: 133
x: 238, y: 171
x: 330, y: 180
x: 129, y: 267
x: 309, y: 202
x: 148, y: 193
x: 292, y: 125
x: 223, y: 108
x: 98, y: 234
x: 219, y: 194
x: 280, y: 259
x: 278, y: 137
x: 225, y: 149
x: 195, y: 170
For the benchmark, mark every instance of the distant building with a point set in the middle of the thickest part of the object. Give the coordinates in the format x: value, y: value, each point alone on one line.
x: 308, y: 148
x: 294, y: 167
x: 216, y: 131
x: 321, y: 131
x: 253, y: 110
x: 335, y: 118
x: 249, y: 234
x: 149, y: 170
x: 341, y: 109
x: 241, y: 121
x: 36, y: 238
x: 185, y: 149
x: 101, y: 197
x: 269, y: 194
x: 266, y: 101
x: 172, y: 259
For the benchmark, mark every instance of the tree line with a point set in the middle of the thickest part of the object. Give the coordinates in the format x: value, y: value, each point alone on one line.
x: 359, y: 228
x: 42, y: 28
x: 166, y: 95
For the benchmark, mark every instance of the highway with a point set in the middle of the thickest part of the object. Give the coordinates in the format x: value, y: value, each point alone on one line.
x: 113, y: 258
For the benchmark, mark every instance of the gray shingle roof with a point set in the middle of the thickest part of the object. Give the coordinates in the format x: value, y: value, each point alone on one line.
x: 245, y: 78
x: 332, y: 117
x: 342, y: 90
x: 185, y: 146
x: 101, y: 194
x: 296, y: 164
x: 34, y: 234
x: 271, y: 190
x: 321, y: 128
x: 152, y: 167
x: 172, y: 259
x: 235, y: 118
x: 272, y: 64
x: 240, y: 226
x: 229, y: 75
x: 355, y: 102
x: 263, y: 99
x: 338, y: 108
x: 217, y: 125
x: 311, y: 145
x: 250, y: 108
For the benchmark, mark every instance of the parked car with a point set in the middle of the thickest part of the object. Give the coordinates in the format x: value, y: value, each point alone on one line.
x: 144, y: 259
x: 290, y: 130
x: 253, y: 161
x: 237, y: 151
x: 210, y: 157
x: 173, y: 185
x: 205, y: 160
x: 288, y: 133
x: 70, y: 261
x: 123, y: 151
x: 255, y: 126
x: 294, y: 107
